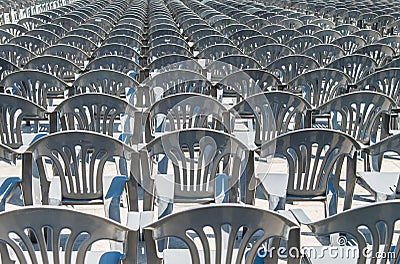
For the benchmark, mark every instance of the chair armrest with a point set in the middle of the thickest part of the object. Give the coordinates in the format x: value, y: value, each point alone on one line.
x: 395, y: 110
x: 146, y: 218
x: 116, y: 187
x: 301, y: 216
x: 55, y: 195
x: 6, y: 188
x: 221, y: 187
x: 289, y: 215
x: 138, y: 220
x: 113, y: 197
x: 133, y: 220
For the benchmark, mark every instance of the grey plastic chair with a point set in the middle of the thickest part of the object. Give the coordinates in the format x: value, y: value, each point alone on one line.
x: 250, y: 44
x: 183, y: 111
x: 359, y: 114
x: 284, y: 35
x: 392, y: 41
x: 202, y: 33
x: 67, y: 23
x: 79, y: 42
x: 380, y: 53
x: 229, y: 64
x: 168, y: 79
x: 324, y: 23
x: 369, y: 35
x: 185, y: 166
x: 306, y: 19
x: 289, y: 67
x: 241, y: 35
x: 372, y: 230
x: 268, y: 53
x: 123, y: 40
x: 100, y: 113
x: 116, y: 63
x: 71, y: 53
x: 15, y: 54
x: 324, y: 53
x: 158, y: 25
x: 218, y: 51
x: 129, y: 26
x: 350, y: 43
x: 14, y: 110
x: 166, y: 49
x: 270, y: 29
x: 173, y: 62
x: 302, y: 43
x: 78, y: 159
x: 258, y: 23
x: 44, y: 35
x: 320, y: 85
x: 164, y: 32
x: 95, y: 28
x: 291, y: 23
x: 105, y: 81
x: 382, y: 23
x: 101, y: 22
x: 8, y: 184
x: 287, y: 111
x: 7, y: 67
x: 230, y: 28
x: 383, y: 185
x: 309, y: 29
x: 5, y: 36
x: 226, y: 224
x: 248, y: 82
x: 47, y: 221
x: 117, y: 49
x: 57, y: 66
x: 87, y: 34
x: 199, y: 86
x: 14, y: 29
x: 33, y: 44
x: 314, y: 159
x: 177, y: 81
x: 356, y: 66
x: 385, y: 81
x: 169, y: 40
x: 346, y: 29
x: 37, y: 86
x: 327, y: 35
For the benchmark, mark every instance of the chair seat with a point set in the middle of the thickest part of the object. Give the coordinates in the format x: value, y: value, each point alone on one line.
x: 7, y: 185
x: 247, y: 138
x: 55, y: 193
x: 28, y: 139
x: 93, y: 257
x: 274, y: 183
x: 379, y: 182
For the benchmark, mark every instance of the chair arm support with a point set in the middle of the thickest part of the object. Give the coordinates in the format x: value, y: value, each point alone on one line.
x: 113, y: 197
x: 55, y: 195
x: 6, y: 189
x: 301, y: 216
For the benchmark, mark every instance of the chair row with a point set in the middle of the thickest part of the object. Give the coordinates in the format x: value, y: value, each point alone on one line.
x: 196, y: 165
x: 193, y: 218
x: 364, y: 115
x: 252, y: 228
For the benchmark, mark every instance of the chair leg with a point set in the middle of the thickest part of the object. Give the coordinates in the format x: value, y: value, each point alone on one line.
x: 164, y: 209
x: 5, y: 256
x: 331, y: 200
